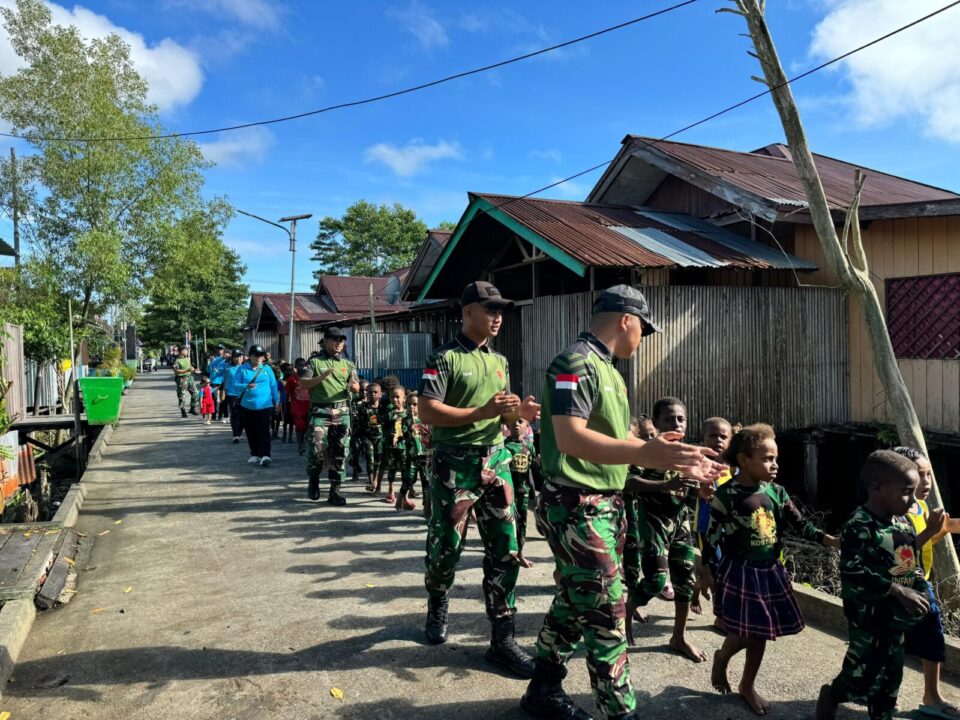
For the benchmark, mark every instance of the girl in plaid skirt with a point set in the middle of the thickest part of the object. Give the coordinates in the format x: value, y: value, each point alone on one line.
x: 752, y: 594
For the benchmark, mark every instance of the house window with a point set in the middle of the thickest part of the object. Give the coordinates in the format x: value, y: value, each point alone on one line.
x: 923, y: 316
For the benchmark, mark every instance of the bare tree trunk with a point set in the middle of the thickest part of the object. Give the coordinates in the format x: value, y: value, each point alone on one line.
x: 855, y: 279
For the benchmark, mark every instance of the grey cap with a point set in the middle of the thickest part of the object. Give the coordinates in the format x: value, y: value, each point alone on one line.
x: 625, y: 299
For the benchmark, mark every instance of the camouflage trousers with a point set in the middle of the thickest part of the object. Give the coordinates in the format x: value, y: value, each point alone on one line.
x: 394, y: 463
x: 586, y: 533
x: 418, y: 470
x: 872, y: 671
x: 328, y: 436
x: 461, y: 480
x: 356, y: 448
x: 657, y: 547
x: 186, y: 392
x: 521, y: 490
x: 371, y: 449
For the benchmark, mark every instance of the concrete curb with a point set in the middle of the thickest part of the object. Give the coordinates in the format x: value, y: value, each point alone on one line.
x: 17, y: 616
x: 826, y: 612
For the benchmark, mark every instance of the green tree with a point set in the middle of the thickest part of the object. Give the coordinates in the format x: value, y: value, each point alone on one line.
x: 199, y: 287
x: 368, y: 240
x: 104, y: 202
x: 446, y: 225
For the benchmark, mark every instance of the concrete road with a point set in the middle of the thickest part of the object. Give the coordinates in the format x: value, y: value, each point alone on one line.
x: 215, y: 590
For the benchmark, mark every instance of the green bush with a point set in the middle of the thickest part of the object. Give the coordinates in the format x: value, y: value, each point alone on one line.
x: 127, y: 373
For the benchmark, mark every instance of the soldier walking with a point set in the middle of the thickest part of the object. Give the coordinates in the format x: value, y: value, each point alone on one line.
x: 586, y: 447
x: 329, y: 378
x: 183, y: 371
x: 465, y: 395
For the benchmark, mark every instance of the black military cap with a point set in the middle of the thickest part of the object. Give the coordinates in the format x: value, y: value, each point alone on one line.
x: 625, y: 299
x: 238, y: 351
x: 485, y: 294
x: 334, y: 333
x: 257, y: 350
x: 221, y: 346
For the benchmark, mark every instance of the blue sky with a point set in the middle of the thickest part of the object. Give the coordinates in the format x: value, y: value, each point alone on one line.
x: 220, y: 62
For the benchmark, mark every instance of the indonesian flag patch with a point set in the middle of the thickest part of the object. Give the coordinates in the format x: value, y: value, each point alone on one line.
x: 567, y: 382
x: 430, y: 374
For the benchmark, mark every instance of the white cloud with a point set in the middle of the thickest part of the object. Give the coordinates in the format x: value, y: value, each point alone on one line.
x: 570, y: 190
x: 412, y: 157
x: 172, y: 71
x: 552, y: 154
x: 239, y: 147
x: 913, y: 74
x: 263, y: 14
x: 419, y: 20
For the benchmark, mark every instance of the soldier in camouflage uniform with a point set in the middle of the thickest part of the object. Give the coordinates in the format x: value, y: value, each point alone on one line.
x: 183, y: 371
x: 585, y: 451
x: 465, y: 396
x: 883, y: 589
x: 329, y: 378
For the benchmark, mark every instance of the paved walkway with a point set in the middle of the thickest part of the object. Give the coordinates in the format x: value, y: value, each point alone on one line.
x: 215, y: 590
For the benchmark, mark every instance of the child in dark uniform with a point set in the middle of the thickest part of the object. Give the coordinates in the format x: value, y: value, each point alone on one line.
x: 372, y: 444
x: 883, y: 589
x: 753, y: 594
x: 395, y: 449
x: 523, y: 455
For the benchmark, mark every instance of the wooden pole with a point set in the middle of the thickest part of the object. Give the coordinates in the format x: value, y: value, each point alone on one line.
x: 15, y: 201
x: 77, y: 425
x: 852, y: 269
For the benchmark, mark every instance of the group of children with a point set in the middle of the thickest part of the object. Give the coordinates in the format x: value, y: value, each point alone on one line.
x: 726, y: 539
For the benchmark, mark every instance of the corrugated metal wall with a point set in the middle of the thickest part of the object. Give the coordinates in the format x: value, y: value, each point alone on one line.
x: 14, y: 370
x: 407, y: 351
x: 267, y: 338
x: 49, y: 391
x: 777, y: 355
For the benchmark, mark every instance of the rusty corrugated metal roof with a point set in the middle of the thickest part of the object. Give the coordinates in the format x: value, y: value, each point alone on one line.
x: 441, y: 236
x: 622, y: 236
x: 770, y: 173
x: 306, y: 307
x: 352, y: 294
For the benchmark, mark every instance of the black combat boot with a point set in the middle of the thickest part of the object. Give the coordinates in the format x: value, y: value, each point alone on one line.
x: 436, y: 628
x: 313, y: 486
x: 545, y: 696
x: 504, y: 650
x: 335, y: 498
x: 193, y: 411
x: 183, y: 413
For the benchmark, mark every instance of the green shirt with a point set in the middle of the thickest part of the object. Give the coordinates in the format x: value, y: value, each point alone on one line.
x: 747, y: 523
x: 582, y: 382
x: 336, y: 387
x: 183, y: 364
x: 464, y: 375
x: 874, y: 553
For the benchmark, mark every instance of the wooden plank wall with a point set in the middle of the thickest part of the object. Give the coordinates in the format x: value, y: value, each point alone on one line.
x: 777, y: 355
x: 898, y: 248
x: 14, y: 370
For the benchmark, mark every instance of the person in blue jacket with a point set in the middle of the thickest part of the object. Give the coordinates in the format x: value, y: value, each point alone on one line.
x: 259, y: 400
x: 216, y: 369
x: 233, y: 388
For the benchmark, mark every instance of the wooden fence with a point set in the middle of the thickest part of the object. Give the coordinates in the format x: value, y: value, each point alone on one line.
x: 777, y: 355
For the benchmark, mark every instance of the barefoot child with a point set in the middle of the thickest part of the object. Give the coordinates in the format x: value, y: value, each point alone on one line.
x: 753, y: 594
x: 520, y: 445
x: 660, y: 527
x: 416, y: 435
x: 882, y: 586
x: 207, y: 406
x: 925, y: 640
x: 395, y: 449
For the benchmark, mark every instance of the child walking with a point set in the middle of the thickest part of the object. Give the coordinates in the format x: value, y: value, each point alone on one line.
x: 372, y: 444
x: 207, y: 406
x: 299, y: 400
x: 416, y: 437
x: 883, y: 589
x: 659, y: 541
x: 716, y: 435
x: 752, y: 594
x: 925, y: 640
x: 523, y: 455
x: 395, y: 449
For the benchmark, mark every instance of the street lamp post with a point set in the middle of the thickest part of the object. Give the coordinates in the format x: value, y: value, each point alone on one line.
x: 292, y: 234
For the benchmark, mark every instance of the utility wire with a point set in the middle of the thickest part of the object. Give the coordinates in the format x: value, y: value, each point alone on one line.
x: 740, y: 104
x: 376, y: 98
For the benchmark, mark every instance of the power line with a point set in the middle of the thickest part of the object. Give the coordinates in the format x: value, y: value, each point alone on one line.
x: 740, y: 104
x: 376, y: 98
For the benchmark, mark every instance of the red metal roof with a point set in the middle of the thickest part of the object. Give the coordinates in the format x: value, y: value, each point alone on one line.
x: 306, y: 307
x: 441, y: 236
x: 770, y: 173
x: 623, y: 236
x: 352, y: 294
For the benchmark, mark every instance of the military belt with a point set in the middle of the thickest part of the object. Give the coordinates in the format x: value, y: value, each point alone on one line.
x: 329, y: 406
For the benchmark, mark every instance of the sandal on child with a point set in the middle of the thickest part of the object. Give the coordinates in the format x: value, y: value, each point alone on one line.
x: 940, y: 710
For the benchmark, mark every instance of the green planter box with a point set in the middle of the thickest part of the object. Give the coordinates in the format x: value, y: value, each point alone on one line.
x: 101, y: 399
